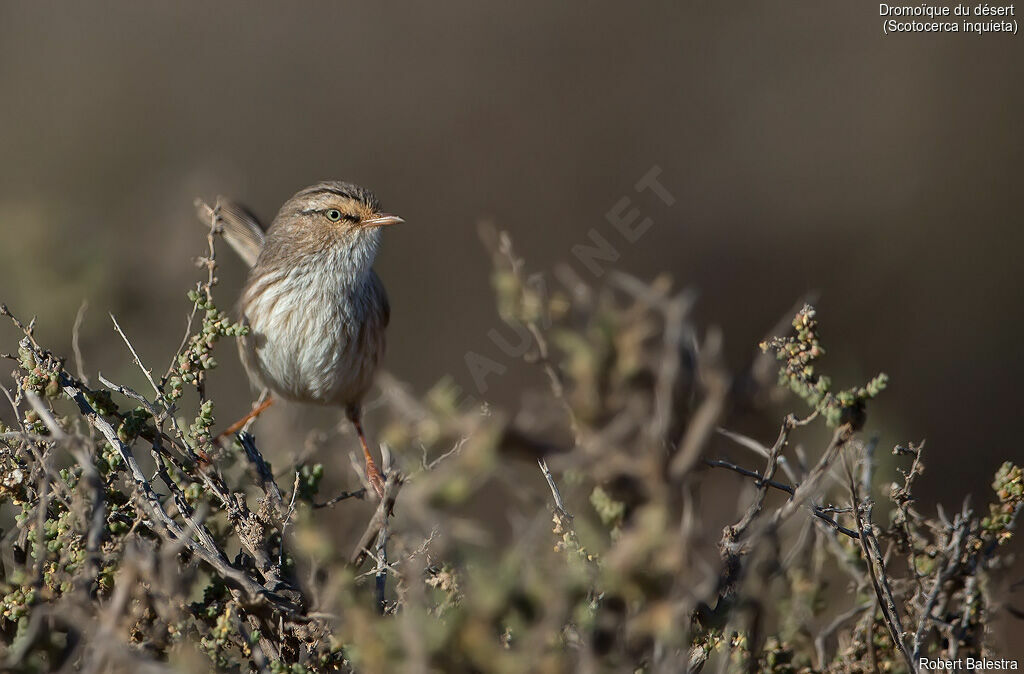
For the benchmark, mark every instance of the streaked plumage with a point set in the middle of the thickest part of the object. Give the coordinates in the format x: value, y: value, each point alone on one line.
x: 316, y: 310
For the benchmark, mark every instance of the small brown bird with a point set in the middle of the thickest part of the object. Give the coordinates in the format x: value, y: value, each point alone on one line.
x: 315, y: 309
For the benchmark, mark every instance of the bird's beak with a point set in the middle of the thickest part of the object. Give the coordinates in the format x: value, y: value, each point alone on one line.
x: 382, y: 219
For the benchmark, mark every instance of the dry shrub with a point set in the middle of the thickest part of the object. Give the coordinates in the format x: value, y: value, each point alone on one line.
x: 139, y: 544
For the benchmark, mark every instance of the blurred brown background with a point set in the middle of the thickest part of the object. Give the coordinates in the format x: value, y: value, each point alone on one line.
x: 806, y: 151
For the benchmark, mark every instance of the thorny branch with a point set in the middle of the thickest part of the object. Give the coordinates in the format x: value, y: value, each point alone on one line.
x: 876, y: 566
x: 145, y: 543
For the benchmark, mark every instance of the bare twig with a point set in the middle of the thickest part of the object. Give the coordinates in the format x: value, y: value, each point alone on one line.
x: 839, y: 440
x: 151, y: 503
x: 345, y: 495
x: 738, y: 530
x: 381, y: 575
x: 557, y: 495
x: 819, y: 512
x: 287, y: 519
x: 501, y: 244
x: 263, y: 472
x: 379, y: 519
x: 876, y: 571
x: 758, y: 448
x: 954, y: 551
x: 133, y: 394
x: 705, y: 420
x: 75, y: 347
x: 135, y: 356
x: 820, y: 641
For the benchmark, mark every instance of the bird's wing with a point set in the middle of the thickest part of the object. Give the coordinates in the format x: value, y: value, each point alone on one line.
x: 242, y: 230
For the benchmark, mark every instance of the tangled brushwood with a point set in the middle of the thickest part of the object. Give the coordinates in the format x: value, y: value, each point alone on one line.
x: 134, y: 542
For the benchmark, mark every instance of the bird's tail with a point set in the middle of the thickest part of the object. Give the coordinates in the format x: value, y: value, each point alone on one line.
x: 241, y: 229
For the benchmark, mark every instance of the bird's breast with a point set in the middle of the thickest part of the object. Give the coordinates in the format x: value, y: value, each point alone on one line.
x: 312, y: 337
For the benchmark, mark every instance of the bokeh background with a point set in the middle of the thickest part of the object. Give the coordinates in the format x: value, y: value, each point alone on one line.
x: 806, y: 151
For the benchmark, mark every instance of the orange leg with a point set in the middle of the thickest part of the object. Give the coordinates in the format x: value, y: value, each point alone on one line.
x: 372, y: 474
x: 240, y: 424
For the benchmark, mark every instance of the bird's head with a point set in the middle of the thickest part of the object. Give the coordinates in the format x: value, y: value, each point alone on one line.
x: 331, y: 215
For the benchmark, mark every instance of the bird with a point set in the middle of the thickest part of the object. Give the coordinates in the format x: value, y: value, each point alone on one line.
x: 315, y: 309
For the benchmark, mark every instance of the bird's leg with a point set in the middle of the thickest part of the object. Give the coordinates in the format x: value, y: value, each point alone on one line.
x: 372, y: 474
x: 240, y: 424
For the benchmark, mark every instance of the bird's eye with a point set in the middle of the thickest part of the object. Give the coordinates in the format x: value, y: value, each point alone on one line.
x: 333, y: 214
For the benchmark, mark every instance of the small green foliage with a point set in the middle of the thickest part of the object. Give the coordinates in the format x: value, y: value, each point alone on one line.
x: 568, y: 543
x: 278, y: 667
x: 777, y: 658
x: 110, y: 459
x: 627, y: 585
x: 15, y: 605
x: 609, y: 510
x: 799, y: 353
x: 309, y: 480
x: 1009, y: 488
x: 193, y: 492
x: 133, y: 424
x: 102, y: 402
x: 201, y: 428
x: 42, y: 375
x: 197, y: 356
x: 218, y: 643
x: 33, y: 424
